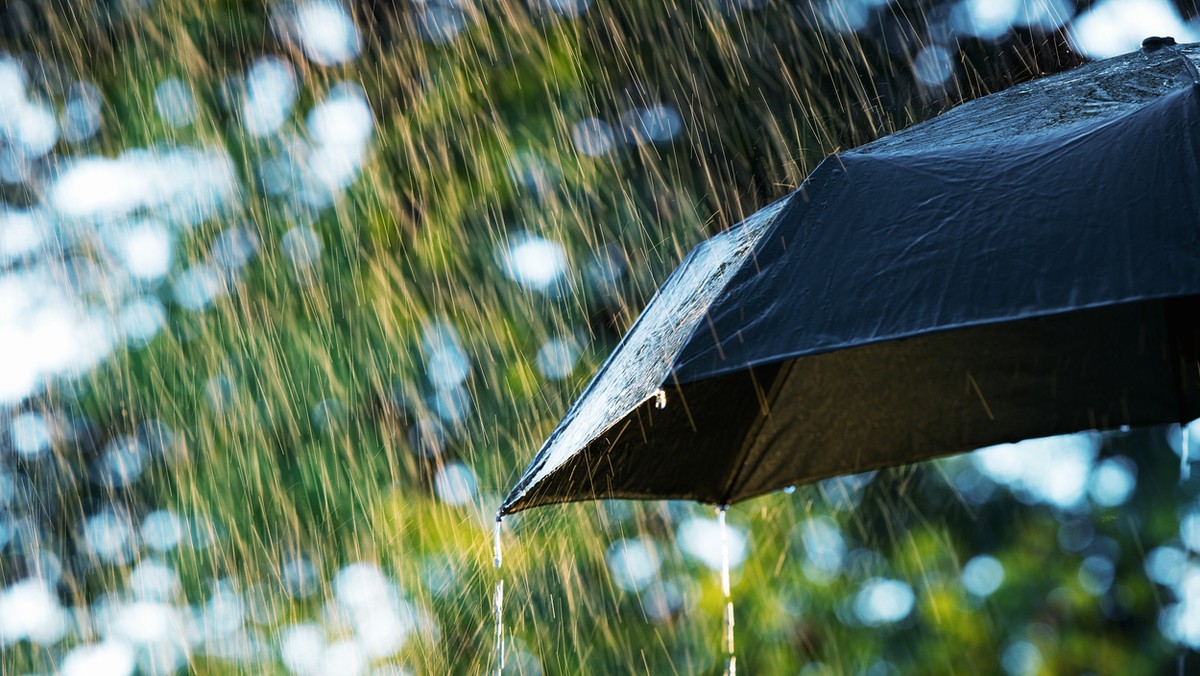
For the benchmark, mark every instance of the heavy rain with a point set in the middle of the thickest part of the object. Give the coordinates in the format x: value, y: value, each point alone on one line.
x: 291, y: 294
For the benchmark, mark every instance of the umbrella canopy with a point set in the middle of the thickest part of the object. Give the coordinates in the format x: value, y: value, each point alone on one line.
x: 1024, y: 265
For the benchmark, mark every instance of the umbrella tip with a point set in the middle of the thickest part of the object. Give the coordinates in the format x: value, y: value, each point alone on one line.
x: 1155, y: 43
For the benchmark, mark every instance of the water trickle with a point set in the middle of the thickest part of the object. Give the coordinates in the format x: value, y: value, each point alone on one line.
x: 730, y: 657
x: 497, y: 559
x: 660, y: 398
x: 498, y: 596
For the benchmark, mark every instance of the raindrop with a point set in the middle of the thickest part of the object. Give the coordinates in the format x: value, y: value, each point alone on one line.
x: 175, y: 103
x: 660, y: 398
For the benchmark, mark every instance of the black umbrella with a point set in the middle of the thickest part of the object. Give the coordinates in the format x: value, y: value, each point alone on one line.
x: 1025, y: 265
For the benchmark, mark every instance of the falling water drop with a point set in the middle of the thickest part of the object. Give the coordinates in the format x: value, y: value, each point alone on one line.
x: 731, y: 659
x: 660, y: 398
x: 498, y: 597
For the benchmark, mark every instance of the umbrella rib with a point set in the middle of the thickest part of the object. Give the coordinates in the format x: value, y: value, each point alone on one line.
x: 752, y: 434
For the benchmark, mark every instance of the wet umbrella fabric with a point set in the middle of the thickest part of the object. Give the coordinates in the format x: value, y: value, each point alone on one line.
x: 1024, y: 265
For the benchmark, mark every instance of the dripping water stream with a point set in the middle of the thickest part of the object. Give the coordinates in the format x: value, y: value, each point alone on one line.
x: 498, y: 596
x: 730, y: 657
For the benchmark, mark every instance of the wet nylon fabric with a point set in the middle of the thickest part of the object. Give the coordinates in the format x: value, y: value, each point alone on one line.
x: 1025, y: 265
x: 893, y: 244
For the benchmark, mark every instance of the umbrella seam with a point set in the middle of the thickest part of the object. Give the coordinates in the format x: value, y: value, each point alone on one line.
x: 752, y: 434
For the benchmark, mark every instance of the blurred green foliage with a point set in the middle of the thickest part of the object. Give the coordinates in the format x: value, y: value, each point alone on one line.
x: 762, y: 95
